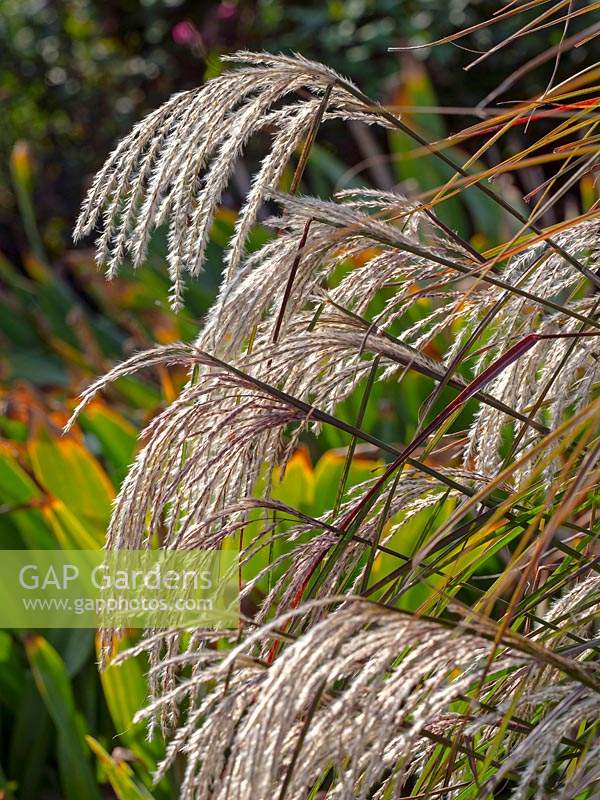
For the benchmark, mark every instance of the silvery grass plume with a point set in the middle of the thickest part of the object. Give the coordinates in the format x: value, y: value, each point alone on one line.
x: 337, y: 694
x: 175, y: 165
x: 381, y: 690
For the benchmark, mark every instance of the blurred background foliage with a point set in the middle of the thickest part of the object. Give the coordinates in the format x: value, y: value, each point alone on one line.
x: 74, y: 76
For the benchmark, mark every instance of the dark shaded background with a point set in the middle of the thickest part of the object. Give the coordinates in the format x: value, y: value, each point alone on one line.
x: 76, y: 74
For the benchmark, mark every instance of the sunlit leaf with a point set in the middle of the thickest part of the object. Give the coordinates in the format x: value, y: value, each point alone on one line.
x: 119, y: 774
x: 68, y: 472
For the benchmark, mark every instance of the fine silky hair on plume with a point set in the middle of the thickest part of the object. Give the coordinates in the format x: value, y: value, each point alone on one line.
x: 375, y: 665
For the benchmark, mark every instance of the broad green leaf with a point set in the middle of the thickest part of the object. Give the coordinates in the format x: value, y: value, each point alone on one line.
x: 297, y: 485
x: 138, y: 393
x: 296, y: 488
x: 12, y: 674
x: 71, y: 474
x: 116, y: 435
x: 405, y: 541
x: 119, y: 774
x: 18, y: 491
x: 126, y: 692
x: 75, y: 645
x: 16, y: 487
x: 69, y: 532
x: 54, y: 686
x: 328, y: 472
x: 30, y: 739
x: 13, y: 429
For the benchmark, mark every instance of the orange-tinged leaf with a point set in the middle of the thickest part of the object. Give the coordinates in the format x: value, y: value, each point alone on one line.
x: 297, y: 486
x: 20, y: 493
x: 70, y: 533
x: 67, y: 471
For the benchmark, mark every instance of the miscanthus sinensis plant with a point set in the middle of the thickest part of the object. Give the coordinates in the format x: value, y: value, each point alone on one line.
x: 329, y: 688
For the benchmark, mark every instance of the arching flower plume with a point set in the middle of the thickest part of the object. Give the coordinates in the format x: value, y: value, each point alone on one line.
x: 489, y: 684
